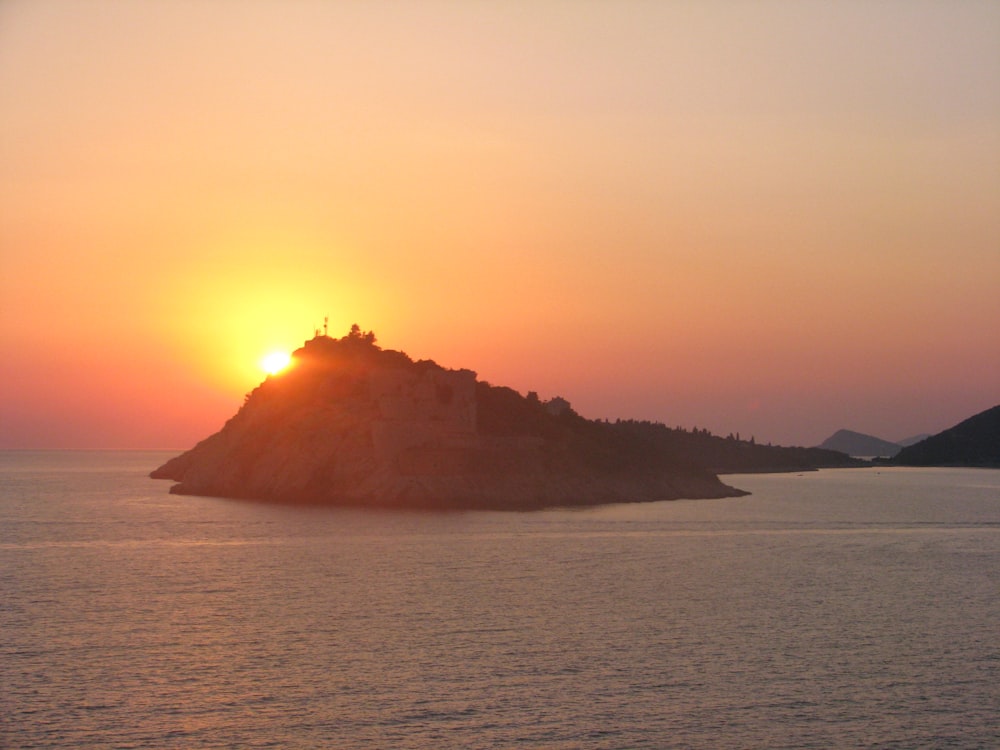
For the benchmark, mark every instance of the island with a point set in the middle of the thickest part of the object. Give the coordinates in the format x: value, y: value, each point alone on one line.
x: 351, y: 424
x: 859, y: 444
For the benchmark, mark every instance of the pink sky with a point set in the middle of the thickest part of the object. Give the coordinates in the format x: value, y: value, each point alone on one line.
x: 773, y: 218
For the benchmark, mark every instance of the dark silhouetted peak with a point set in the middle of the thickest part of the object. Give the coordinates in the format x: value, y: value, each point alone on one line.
x: 974, y: 442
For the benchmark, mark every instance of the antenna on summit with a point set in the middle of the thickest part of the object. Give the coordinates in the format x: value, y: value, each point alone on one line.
x: 326, y: 323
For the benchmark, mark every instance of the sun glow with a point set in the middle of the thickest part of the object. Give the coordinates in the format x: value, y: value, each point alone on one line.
x: 275, y: 362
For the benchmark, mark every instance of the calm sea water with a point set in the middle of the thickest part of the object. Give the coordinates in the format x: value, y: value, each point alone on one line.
x: 849, y: 608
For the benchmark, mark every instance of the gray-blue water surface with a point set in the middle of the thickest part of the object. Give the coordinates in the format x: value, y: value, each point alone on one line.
x: 845, y: 608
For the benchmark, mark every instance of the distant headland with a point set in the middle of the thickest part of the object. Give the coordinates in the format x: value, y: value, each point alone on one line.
x: 352, y: 424
x: 974, y: 442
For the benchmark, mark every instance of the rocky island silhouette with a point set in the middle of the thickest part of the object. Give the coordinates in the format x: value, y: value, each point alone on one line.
x: 352, y: 424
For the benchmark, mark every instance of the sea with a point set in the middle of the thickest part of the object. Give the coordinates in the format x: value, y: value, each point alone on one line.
x: 850, y: 608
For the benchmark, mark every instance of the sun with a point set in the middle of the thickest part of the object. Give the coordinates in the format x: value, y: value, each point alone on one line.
x: 275, y: 362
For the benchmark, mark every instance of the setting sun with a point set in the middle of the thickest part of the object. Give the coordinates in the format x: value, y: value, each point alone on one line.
x: 275, y: 362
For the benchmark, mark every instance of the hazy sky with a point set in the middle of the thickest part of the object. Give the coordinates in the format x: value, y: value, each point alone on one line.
x: 776, y: 218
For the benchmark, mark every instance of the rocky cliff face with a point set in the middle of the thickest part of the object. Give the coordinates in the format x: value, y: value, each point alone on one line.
x: 352, y: 424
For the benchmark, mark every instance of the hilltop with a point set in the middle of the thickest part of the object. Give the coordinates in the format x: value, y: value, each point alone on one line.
x: 973, y: 442
x: 350, y: 423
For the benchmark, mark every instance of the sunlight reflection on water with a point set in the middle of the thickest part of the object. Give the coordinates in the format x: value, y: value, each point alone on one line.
x: 845, y: 608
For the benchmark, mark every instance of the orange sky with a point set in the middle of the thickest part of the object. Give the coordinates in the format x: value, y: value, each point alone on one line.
x: 776, y: 218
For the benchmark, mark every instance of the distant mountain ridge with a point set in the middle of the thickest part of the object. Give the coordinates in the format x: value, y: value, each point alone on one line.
x: 860, y: 445
x: 973, y: 442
